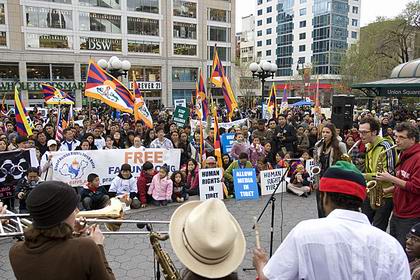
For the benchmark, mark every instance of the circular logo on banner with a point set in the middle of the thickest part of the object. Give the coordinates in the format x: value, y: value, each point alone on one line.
x: 74, y: 165
x: 15, y: 168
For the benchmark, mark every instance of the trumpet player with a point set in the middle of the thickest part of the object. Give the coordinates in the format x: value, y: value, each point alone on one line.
x: 49, y: 250
x: 406, y: 183
x: 375, y: 146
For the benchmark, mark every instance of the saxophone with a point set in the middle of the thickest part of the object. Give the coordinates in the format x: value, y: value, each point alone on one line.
x: 168, y: 268
x: 374, y: 191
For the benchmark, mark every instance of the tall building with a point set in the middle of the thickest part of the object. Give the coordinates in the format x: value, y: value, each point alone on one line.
x: 306, y: 32
x: 247, y: 40
x: 166, y: 41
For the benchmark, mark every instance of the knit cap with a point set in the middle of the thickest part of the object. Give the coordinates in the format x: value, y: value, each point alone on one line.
x: 345, y: 178
x: 415, y: 230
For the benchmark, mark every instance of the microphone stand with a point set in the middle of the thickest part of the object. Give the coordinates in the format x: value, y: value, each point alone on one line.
x: 271, y: 201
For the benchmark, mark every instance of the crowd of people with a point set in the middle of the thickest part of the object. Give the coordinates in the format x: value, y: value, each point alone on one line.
x: 382, y: 145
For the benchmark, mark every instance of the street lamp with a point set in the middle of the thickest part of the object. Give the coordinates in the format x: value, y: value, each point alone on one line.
x: 115, y: 66
x: 263, y: 70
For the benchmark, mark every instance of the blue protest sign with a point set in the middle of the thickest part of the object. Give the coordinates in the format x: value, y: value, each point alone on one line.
x: 245, y: 184
x: 227, y: 140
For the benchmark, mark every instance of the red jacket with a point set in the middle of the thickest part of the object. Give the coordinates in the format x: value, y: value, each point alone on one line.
x: 143, y: 183
x: 407, y: 200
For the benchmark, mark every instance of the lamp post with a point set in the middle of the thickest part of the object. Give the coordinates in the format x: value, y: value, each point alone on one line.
x: 115, y: 66
x: 301, y: 72
x: 262, y: 71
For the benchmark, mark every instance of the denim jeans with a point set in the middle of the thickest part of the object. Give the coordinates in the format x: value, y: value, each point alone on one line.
x: 399, y: 227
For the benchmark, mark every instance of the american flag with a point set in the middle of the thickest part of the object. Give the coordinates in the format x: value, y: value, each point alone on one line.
x: 59, y: 130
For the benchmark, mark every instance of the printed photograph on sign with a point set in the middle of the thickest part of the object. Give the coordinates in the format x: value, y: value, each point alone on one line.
x: 210, y: 183
x: 270, y: 179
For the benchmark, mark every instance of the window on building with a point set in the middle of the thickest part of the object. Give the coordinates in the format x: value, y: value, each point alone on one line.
x: 182, y: 94
x: 268, y: 52
x: 354, y: 22
x: 259, y: 2
x: 136, y: 46
x: 302, y: 36
x: 2, y: 14
x: 3, y: 39
x: 185, y: 49
x: 259, y: 53
x: 268, y: 31
x: 185, y: 30
x: 62, y: 72
x: 113, y: 4
x: 354, y: 34
x: 302, y: 23
x: 302, y: 12
x: 38, y: 72
x: 269, y: 9
x: 48, y: 18
x: 49, y: 41
x: 143, y: 26
x: 145, y: 73
x: 145, y: 6
x: 218, y: 15
x: 259, y: 33
x: 221, y: 34
x: 185, y: 9
x: 223, y: 52
x: 58, y: 1
x: 9, y: 71
x: 259, y: 43
x: 269, y: 20
x: 301, y: 60
x: 100, y: 44
x: 302, y: 1
x: 302, y: 48
x: 259, y: 12
x: 259, y: 22
x: 99, y: 22
x: 268, y: 42
x: 181, y: 74
x: 355, y: 10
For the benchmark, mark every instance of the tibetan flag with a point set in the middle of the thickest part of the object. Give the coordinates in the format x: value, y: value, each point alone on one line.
x: 202, y: 146
x: 54, y: 96
x: 217, y: 72
x: 317, y: 107
x: 217, y: 143
x: 3, y: 106
x: 201, y: 94
x: 192, y: 105
x: 229, y: 97
x: 140, y: 109
x: 102, y: 86
x: 23, y: 123
x: 284, y: 105
x: 272, y: 102
x: 198, y: 105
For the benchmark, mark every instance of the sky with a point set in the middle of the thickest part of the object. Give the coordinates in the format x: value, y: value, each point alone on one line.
x: 371, y: 9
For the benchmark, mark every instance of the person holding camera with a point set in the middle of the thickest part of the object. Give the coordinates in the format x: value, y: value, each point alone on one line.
x: 25, y: 186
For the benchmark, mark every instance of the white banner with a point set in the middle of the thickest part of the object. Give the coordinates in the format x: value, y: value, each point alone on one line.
x: 195, y: 123
x: 270, y: 179
x: 210, y: 183
x: 74, y: 167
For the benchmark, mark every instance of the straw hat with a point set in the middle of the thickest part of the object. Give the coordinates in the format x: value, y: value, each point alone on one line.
x: 206, y: 238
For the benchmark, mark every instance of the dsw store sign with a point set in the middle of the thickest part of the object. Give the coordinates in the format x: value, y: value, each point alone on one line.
x: 100, y: 44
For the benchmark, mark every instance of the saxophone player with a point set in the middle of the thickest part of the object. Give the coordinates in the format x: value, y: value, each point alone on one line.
x: 406, y: 183
x: 375, y: 146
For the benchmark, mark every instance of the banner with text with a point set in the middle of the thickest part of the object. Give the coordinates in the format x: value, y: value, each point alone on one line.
x: 181, y: 115
x: 195, y: 123
x: 74, y: 167
x: 210, y: 183
x: 245, y: 184
x: 227, y: 140
x: 270, y: 179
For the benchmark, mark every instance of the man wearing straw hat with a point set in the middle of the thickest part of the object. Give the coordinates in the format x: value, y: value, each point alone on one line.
x: 344, y: 245
x: 207, y: 239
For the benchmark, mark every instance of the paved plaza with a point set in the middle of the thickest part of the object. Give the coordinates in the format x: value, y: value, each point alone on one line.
x: 131, y: 256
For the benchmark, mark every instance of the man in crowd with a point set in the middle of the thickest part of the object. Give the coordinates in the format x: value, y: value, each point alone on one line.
x: 284, y: 138
x: 25, y: 186
x: 376, y: 156
x: 69, y: 143
x: 406, y: 190
x: 161, y: 141
x: 261, y: 132
x: 412, y: 248
x: 341, y: 246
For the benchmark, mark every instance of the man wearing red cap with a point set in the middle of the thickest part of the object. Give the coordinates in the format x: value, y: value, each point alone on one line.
x: 344, y: 245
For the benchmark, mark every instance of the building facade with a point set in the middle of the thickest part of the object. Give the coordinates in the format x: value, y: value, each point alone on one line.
x: 247, y: 40
x: 166, y: 41
x: 308, y: 33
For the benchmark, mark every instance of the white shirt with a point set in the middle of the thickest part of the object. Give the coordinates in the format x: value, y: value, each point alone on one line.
x: 69, y: 146
x: 99, y: 143
x: 166, y: 144
x: 339, y: 247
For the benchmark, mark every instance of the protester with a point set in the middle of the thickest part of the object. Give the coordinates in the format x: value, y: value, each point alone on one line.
x: 93, y: 195
x: 412, y: 248
x: 161, y: 141
x: 161, y: 187
x: 25, y: 185
x: 241, y: 163
x: 125, y: 183
x: 256, y: 151
x: 69, y: 143
x: 192, y: 177
x: 143, y: 183
x: 240, y: 146
x: 179, y: 193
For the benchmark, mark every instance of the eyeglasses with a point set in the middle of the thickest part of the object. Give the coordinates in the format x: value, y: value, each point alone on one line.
x: 364, y: 132
x: 413, y: 237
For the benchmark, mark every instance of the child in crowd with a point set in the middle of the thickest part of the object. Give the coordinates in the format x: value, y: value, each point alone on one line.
x: 192, y: 177
x: 256, y: 151
x: 240, y: 146
x: 92, y: 195
x: 280, y: 162
x: 241, y: 163
x: 161, y: 187
x: 299, y: 180
x: 179, y: 193
x: 143, y: 183
x: 125, y: 183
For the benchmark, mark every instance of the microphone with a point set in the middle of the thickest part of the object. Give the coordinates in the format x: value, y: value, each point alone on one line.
x: 143, y: 225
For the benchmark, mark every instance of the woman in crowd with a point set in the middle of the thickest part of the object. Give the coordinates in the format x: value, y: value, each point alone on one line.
x: 150, y: 135
x: 3, y: 145
x: 192, y: 177
x: 269, y: 154
x: 109, y: 143
x: 226, y: 161
x: 91, y: 139
x: 185, y: 147
x: 84, y: 145
x: 118, y: 143
x: 161, y: 187
x: 327, y: 152
x: 302, y: 140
